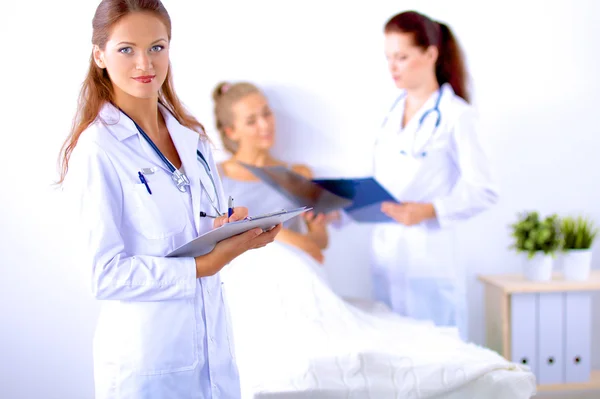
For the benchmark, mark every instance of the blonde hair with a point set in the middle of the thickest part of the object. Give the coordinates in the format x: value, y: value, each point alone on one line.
x: 225, y: 96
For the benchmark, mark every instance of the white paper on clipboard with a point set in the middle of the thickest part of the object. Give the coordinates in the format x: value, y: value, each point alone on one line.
x: 205, y: 243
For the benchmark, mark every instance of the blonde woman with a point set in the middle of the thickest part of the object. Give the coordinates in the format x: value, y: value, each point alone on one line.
x: 246, y: 124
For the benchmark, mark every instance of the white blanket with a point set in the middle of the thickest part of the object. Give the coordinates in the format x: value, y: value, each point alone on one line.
x: 293, y: 335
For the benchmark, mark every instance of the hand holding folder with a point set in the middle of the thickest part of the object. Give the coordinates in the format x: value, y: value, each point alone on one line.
x: 360, y: 198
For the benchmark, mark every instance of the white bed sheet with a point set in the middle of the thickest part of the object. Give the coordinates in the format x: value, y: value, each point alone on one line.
x: 295, y: 338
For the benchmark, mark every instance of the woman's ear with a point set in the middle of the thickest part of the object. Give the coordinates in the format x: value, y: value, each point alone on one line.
x: 230, y: 133
x: 432, y: 53
x: 99, y: 57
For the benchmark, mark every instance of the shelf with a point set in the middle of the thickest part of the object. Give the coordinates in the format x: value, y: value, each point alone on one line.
x: 592, y: 384
x: 516, y: 283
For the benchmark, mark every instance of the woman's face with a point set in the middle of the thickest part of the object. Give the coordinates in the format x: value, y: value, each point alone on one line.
x: 409, y: 65
x: 136, y: 55
x: 253, y: 123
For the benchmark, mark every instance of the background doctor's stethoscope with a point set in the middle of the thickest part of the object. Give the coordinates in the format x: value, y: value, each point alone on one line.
x: 432, y: 114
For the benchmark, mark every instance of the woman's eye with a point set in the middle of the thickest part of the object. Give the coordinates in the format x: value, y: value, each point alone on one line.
x: 157, y: 48
x: 125, y: 50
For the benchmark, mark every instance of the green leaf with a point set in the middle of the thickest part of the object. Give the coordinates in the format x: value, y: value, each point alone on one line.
x: 578, y: 233
x: 533, y: 234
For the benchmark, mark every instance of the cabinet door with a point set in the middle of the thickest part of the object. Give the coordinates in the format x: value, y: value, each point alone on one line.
x: 578, y: 323
x: 523, y: 330
x: 551, y: 326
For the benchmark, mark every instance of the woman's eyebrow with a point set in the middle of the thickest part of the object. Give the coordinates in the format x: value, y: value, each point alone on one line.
x: 133, y: 44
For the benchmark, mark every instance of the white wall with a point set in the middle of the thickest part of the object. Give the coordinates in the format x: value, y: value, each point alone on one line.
x: 534, y: 66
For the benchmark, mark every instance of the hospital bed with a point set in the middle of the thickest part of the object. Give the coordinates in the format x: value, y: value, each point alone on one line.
x: 295, y: 338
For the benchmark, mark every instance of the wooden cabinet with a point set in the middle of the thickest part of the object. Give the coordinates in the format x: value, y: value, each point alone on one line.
x: 545, y: 325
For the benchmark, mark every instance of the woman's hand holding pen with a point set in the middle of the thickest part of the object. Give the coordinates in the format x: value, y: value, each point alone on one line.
x: 239, y: 213
x: 229, y: 249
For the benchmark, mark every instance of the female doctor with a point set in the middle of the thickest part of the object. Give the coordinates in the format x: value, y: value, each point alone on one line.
x: 144, y: 182
x: 429, y: 155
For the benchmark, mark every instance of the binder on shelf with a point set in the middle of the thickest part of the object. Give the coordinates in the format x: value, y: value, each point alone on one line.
x: 550, y: 338
x: 578, y: 337
x: 524, y: 330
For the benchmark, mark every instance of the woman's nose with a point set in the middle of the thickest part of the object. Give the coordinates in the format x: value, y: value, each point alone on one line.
x: 144, y: 63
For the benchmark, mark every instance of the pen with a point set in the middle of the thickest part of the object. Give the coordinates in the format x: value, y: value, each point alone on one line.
x: 143, y: 180
x: 230, y: 207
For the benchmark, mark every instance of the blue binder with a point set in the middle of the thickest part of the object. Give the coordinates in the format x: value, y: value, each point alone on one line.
x: 361, y: 198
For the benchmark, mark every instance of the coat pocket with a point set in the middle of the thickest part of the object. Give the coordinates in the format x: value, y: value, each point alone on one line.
x: 158, y: 337
x: 159, y: 215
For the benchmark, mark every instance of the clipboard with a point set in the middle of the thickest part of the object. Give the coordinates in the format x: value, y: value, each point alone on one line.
x: 360, y: 198
x: 206, y: 242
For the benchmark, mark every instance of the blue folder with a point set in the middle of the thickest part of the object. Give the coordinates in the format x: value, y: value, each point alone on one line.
x: 366, y: 195
x: 361, y: 198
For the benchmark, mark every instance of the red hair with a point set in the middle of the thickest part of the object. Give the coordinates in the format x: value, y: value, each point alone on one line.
x: 450, y: 66
x: 97, y: 87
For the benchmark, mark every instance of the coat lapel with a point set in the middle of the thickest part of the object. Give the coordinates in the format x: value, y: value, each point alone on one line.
x: 423, y: 124
x: 186, y: 143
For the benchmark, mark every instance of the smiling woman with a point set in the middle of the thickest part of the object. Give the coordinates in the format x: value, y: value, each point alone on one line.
x: 130, y: 59
x: 142, y: 173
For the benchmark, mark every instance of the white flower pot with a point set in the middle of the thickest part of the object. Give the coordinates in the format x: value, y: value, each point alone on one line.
x: 538, y: 268
x: 576, y: 264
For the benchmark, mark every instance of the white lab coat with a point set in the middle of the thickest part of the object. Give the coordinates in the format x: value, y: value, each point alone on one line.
x: 415, y: 269
x: 162, y: 333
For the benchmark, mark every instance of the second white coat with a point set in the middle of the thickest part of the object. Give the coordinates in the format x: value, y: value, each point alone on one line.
x: 415, y: 269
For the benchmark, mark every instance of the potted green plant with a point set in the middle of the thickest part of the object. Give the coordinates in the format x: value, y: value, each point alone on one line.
x: 575, y: 258
x: 537, y: 240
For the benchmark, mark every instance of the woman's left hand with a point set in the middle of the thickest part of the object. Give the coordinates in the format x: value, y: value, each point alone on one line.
x: 239, y: 213
x: 315, y: 221
x: 408, y: 213
x: 317, y: 228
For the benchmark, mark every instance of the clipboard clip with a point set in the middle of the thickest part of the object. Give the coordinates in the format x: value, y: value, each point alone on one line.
x: 266, y: 215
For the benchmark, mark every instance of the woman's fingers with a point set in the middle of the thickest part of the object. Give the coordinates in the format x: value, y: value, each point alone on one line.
x: 220, y: 221
x: 239, y: 213
x: 265, y: 238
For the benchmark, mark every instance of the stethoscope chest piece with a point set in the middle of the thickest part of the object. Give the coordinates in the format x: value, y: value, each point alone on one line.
x: 181, y: 180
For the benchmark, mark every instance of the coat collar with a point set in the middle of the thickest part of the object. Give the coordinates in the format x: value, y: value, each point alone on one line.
x: 186, y: 142
x: 122, y: 127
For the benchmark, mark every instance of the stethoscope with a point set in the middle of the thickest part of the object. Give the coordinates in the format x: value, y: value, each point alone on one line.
x: 434, y: 110
x: 180, y: 180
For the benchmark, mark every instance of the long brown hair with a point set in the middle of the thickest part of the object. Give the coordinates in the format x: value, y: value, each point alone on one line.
x: 97, y: 88
x: 450, y: 66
